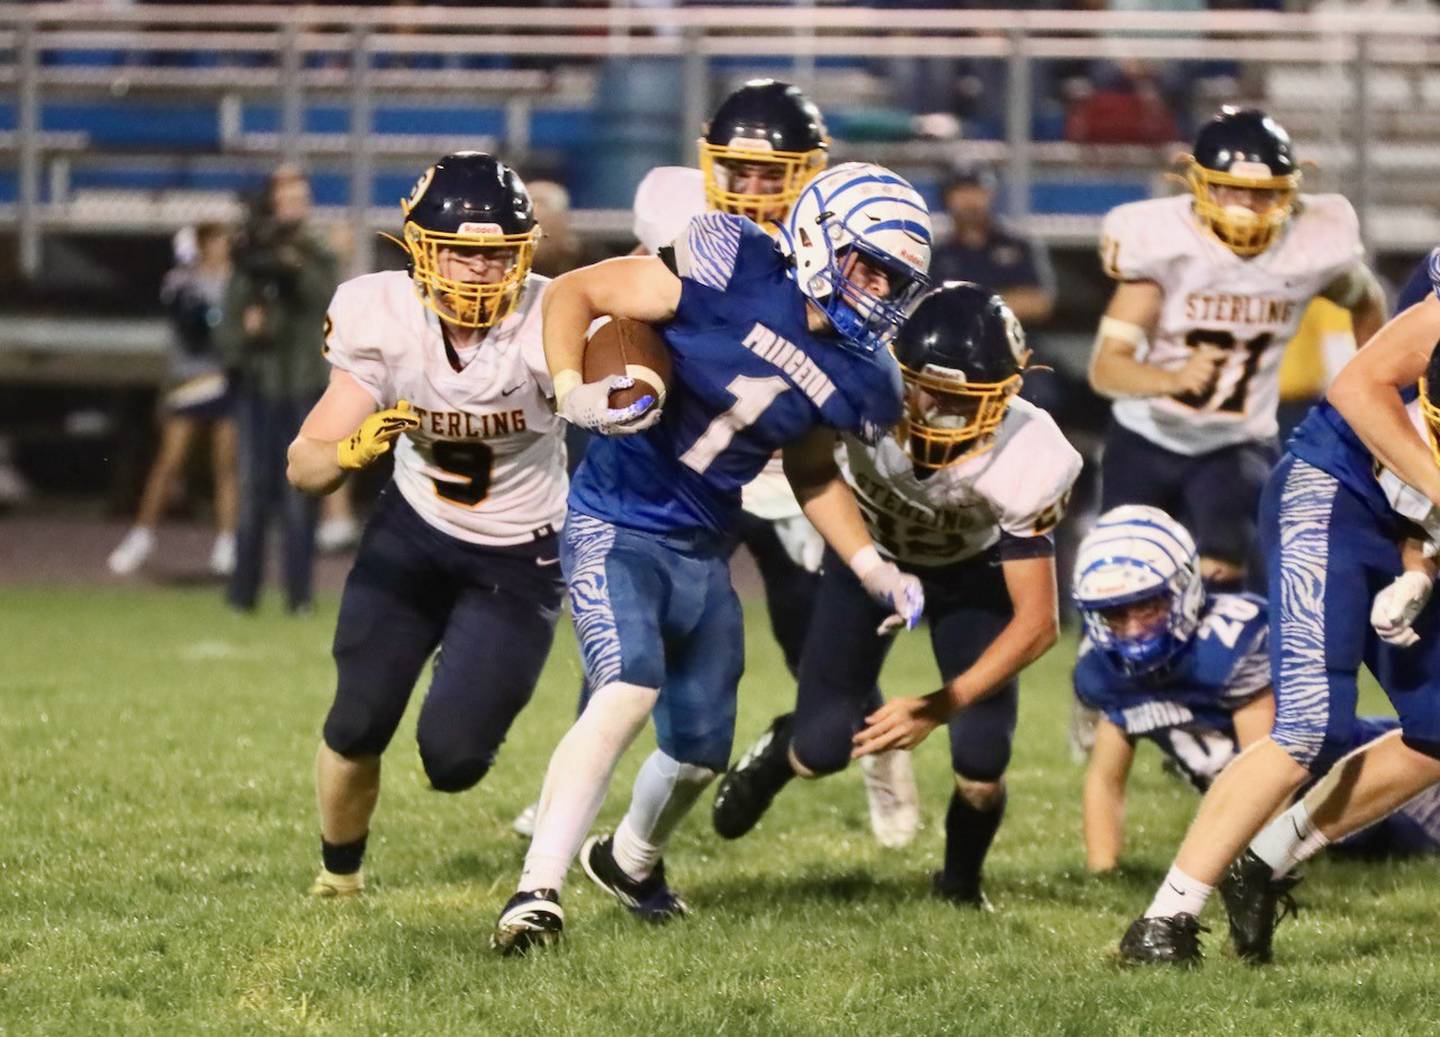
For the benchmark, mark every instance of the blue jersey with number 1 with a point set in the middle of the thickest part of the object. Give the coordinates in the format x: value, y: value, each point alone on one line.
x: 749, y: 378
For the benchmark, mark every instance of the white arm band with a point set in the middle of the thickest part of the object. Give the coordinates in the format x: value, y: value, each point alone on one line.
x: 1112, y: 327
x: 564, y: 382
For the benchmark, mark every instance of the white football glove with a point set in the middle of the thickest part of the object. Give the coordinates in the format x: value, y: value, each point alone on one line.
x: 587, y: 406
x: 1397, y: 606
x: 884, y: 582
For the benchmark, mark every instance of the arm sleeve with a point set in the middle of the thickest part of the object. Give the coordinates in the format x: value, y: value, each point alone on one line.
x: 348, y: 349
x: 1251, y: 672
x: 1031, y: 490
x: 708, y: 252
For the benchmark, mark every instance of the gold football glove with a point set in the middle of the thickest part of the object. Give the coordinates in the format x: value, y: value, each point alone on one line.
x: 374, y: 436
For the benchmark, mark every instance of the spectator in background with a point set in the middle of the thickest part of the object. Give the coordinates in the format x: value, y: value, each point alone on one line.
x: 560, y: 249
x: 198, y: 395
x: 980, y: 248
x: 273, y: 334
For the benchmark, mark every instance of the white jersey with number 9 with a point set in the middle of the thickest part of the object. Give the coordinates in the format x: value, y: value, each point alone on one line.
x: 487, y: 464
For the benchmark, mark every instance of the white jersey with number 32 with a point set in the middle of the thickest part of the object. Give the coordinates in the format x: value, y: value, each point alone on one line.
x: 487, y: 464
x: 1019, y: 487
x: 1248, y: 307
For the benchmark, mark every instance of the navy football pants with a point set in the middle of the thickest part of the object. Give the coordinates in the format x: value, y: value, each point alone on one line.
x: 1213, y: 495
x: 967, y: 605
x: 490, y: 610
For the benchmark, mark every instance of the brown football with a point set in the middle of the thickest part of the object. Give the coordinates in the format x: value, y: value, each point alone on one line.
x: 631, y: 347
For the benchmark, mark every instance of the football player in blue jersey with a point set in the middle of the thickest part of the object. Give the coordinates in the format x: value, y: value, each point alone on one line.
x: 964, y: 496
x: 772, y: 349
x: 1349, y: 515
x: 1162, y: 662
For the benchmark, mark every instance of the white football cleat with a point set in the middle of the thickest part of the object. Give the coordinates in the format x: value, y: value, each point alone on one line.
x: 222, y: 554
x: 894, y: 799
x: 133, y: 551
x: 524, y: 823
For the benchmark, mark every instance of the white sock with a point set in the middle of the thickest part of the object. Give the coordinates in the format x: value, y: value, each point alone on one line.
x: 1289, y: 839
x: 578, y: 777
x: 665, y: 790
x: 1179, y: 894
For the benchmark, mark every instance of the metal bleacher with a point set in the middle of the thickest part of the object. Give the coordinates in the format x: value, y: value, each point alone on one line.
x: 132, y: 121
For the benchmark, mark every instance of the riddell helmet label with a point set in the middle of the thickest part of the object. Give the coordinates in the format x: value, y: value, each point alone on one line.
x: 751, y: 144
x: 479, y: 228
x: 1250, y: 170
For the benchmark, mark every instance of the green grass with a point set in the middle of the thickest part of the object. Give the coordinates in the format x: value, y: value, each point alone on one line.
x: 157, y: 831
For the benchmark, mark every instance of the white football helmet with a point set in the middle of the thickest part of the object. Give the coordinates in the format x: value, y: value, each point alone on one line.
x: 1135, y: 553
x: 863, y: 210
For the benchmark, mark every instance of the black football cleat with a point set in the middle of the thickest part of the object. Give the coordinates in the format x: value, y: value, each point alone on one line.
x: 961, y: 894
x: 1163, y: 941
x: 532, y: 918
x: 1256, y: 902
x: 747, y: 789
x: 648, y: 899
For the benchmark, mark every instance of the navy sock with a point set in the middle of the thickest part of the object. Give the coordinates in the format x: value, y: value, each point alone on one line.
x: 968, y: 835
x: 343, y: 858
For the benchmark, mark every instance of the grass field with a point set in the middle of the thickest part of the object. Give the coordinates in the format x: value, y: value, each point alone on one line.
x: 157, y: 831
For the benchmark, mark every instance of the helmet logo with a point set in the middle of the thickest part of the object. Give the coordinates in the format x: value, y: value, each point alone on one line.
x: 1015, y: 335
x: 480, y: 228
x: 418, y: 191
x: 750, y: 144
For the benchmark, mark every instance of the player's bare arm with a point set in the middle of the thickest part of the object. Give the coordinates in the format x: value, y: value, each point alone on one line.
x: 829, y: 504
x: 640, y: 287
x: 904, y: 723
x: 1103, y: 801
x: 342, y: 415
x: 1130, y: 319
x: 1359, y: 291
x: 1254, y: 719
x: 1367, y: 394
x: 823, y: 494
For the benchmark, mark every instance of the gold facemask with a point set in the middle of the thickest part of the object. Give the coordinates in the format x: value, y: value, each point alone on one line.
x: 1244, y: 232
x: 799, y: 167
x: 461, y: 302
x: 947, y: 420
x: 1432, y: 422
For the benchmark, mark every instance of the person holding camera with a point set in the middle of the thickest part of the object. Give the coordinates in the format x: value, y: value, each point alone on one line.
x: 272, y: 334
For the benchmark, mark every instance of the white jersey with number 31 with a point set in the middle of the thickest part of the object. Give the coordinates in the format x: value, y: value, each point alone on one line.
x: 1248, y: 307
x: 487, y: 464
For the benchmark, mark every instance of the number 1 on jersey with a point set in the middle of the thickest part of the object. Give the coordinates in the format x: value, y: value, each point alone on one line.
x: 752, y: 397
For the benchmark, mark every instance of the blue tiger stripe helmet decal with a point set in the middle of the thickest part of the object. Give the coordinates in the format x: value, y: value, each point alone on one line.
x: 859, y: 214
x: 1134, y: 554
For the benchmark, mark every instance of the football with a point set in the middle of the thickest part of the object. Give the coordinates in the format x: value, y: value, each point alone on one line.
x: 632, y: 347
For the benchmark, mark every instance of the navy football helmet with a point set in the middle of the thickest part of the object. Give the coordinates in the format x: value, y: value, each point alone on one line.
x: 1243, y: 148
x: 768, y: 123
x: 473, y: 202
x: 962, y: 355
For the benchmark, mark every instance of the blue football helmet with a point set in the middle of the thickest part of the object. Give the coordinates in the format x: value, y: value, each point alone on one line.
x: 1134, y: 554
x: 858, y: 211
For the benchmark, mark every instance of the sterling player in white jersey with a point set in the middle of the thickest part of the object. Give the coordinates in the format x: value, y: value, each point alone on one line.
x: 1212, y: 285
x: 461, y: 553
x: 964, y: 497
